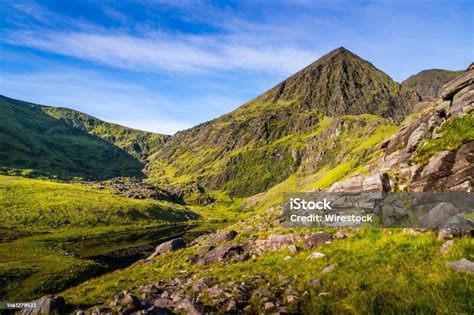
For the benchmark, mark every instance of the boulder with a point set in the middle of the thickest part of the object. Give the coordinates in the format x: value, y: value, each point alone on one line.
x: 222, y: 237
x: 316, y: 255
x: 462, y: 265
x: 164, y: 303
x: 316, y: 239
x: 460, y: 82
x: 275, y: 242
x: 438, y: 215
x: 219, y: 253
x: 205, y: 249
x: 46, y: 305
x: 169, y: 246
x: 458, y: 222
x: 328, y: 268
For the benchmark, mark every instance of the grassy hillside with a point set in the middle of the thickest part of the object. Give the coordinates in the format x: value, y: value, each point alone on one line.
x: 38, y: 204
x: 34, y: 142
x: 138, y: 143
x: 294, y: 127
x: 40, y: 217
x: 376, y: 271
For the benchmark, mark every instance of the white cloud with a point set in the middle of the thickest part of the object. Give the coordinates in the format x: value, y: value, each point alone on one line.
x: 187, y: 53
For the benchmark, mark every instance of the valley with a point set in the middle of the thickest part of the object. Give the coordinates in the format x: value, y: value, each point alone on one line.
x: 85, y: 202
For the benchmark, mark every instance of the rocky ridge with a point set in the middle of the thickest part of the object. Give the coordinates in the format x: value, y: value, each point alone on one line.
x: 445, y: 168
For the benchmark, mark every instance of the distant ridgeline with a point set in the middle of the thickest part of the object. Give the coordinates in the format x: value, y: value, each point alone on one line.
x: 63, y: 143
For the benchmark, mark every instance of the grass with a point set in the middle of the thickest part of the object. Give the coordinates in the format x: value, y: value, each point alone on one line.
x: 454, y: 133
x: 375, y: 273
x: 36, y: 265
x: 39, y: 204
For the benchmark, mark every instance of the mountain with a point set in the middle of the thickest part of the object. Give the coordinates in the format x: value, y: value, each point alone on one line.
x: 308, y: 122
x: 137, y: 143
x: 428, y: 83
x: 33, y: 141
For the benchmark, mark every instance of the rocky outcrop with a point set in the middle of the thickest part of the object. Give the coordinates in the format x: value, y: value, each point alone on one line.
x: 446, y: 170
x: 137, y: 189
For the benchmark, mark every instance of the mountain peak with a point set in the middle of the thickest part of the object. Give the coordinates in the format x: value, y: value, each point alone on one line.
x: 341, y: 83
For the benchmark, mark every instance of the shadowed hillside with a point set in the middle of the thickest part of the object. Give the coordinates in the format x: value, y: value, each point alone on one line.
x: 34, y: 142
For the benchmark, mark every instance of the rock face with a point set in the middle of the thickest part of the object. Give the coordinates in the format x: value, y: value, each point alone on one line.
x: 412, y: 168
x: 169, y: 246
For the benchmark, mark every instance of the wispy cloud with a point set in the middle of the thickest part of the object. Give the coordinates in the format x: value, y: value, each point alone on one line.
x: 189, y: 53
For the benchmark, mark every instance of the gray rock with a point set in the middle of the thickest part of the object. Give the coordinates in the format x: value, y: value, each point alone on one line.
x: 215, y: 291
x: 293, y: 249
x: 169, y: 246
x: 438, y: 215
x: 164, y: 303
x: 328, y: 268
x: 223, y: 236
x: 462, y: 265
x: 316, y: 239
x: 460, y: 82
x: 232, y: 306
x: 205, y: 249
x: 446, y: 247
x: 46, y: 305
x: 458, y: 221
x: 202, y: 284
x: 315, y: 255
x: 314, y: 282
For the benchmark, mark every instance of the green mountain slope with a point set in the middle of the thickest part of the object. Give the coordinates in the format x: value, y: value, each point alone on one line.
x: 279, y: 133
x: 138, y: 143
x: 30, y: 139
x: 428, y: 83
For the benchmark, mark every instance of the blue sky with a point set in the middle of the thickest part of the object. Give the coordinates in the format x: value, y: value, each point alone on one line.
x: 165, y: 66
